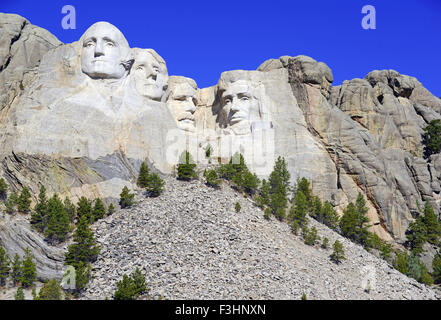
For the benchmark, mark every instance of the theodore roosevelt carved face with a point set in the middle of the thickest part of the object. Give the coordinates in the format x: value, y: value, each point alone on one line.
x: 182, y: 101
x: 149, y: 74
x: 105, y: 52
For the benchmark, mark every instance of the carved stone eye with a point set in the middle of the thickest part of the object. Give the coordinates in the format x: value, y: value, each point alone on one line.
x: 90, y: 44
x: 244, y: 98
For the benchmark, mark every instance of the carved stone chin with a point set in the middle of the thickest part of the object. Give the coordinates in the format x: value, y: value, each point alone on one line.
x: 149, y: 74
x: 105, y: 52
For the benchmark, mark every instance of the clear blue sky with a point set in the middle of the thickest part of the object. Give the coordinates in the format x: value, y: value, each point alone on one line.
x: 200, y: 39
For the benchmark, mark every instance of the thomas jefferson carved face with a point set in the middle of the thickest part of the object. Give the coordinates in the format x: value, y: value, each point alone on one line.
x: 149, y: 74
x: 239, y: 103
x: 105, y: 52
x: 182, y: 101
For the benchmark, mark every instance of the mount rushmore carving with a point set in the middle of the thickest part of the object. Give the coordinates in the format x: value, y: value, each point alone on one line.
x: 91, y: 111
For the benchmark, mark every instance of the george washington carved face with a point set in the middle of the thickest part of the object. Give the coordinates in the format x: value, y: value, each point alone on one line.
x: 105, y: 52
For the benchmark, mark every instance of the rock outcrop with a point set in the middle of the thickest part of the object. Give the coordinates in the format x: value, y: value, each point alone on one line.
x: 81, y: 117
x: 190, y: 243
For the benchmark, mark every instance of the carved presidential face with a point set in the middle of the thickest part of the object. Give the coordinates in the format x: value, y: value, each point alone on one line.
x: 182, y: 104
x: 149, y: 75
x: 104, y: 52
x: 239, y: 103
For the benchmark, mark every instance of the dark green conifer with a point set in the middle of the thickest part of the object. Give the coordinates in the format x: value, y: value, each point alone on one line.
x: 3, y: 189
x: 51, y: 290
x: 186, y: 167
x: 4, y: 266
x: 99, y: 210
x: 127, y: 199
x: 39, y: 217
x: 24, y: 201
x: 84, y: 248
x: 16, y: 270
x: 338, y: 255
x: 84, y: 208
x: 29, y: 270
x: 155, y: 186
x: 143, y: 176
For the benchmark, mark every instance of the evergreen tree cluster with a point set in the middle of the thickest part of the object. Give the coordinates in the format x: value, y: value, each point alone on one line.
x: 410, y: 265
x: 152, y: 182
x: 82, y: 252
x: 426, y: 228
x: 186, y: 168
x: 16, y: 201
x: 21, y: 271
x: 130, y: 288
x: 238, y: 173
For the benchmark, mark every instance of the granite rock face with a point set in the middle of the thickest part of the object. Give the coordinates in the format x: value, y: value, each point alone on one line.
x: 81, y: 117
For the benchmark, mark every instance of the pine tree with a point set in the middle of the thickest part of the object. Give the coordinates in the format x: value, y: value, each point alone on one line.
x: 99, y: 210
x: 125, y: 289
x: 24, y: 201
x: 3, y: 189
x: 143, y: 176
x: 139, y: 282
x: 425, y: 277
x: 432, y: 224
x: 51, y: 290
x: 4, y: 266
x: 237, y: 207
x: 19, y: 295
x: 400, y: 261
x: 186, y: 167
x: 84, y: 248
x: 279, y: 186
x: 16, y: 271
x: 417, y: 235
x: 212, y: 178
x: 386, y: 251
x: 432, y: 138
x: 126, y: 198
x: 267, y: 214
x: 329, y: 216
x: 353, y: 223
x: 11, y: 202
x: 299, y: 210
x: 39, y: 217
x: 311, y: 237
x: 413, y: 267
x: 155, y: 186
x: 58, y: 224
x: 70, y: 209
x: 130, y: 288
x: 295, y: 227
x: 82, y: 276
x: 84, y: 208
x: 265, y: 192
x: 436, y: 266
x: 304, y: 186
x: 110, y: 209
x: 325, y: 243
x: 338, y: 255
x: 29, y: 270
